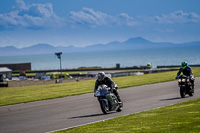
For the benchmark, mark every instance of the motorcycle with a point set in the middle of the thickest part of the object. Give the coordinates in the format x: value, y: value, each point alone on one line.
x: 108, y: 101
x: 186, y: 87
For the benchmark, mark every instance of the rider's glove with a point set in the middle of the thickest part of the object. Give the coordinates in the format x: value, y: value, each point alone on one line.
x: 176, y: 77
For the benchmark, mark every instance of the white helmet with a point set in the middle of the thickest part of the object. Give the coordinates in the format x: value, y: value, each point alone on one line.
x: 100, y: 76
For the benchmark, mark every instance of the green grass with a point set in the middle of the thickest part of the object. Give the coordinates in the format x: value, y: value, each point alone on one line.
x: 178, y: 118
x: 15, y: 95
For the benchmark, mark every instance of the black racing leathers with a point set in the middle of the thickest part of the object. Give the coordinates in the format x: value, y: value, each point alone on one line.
x: 187, y: 71
x: 107, y: 81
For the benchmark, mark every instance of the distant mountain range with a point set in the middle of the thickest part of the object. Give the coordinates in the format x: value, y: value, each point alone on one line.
x: 130, y: 44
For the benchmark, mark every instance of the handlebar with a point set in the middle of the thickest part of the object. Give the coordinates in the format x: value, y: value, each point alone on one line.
x: 181, y: 76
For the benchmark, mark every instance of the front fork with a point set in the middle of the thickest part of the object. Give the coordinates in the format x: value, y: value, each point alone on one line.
x: 104, y: 99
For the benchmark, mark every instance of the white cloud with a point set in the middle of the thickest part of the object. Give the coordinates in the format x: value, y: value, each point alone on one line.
x: 30, y: 16
x: 178, y: 17
x: 125, y: 19
x: 20, y: 5
x: 89, y: 17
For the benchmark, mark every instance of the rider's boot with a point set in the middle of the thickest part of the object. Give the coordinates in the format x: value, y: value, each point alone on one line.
x: 118, y: 98
x: 119, y: 101
x: 117, y: 95
x: 192, y: 85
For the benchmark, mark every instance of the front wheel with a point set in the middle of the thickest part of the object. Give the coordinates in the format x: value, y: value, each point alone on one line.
x: 182, y: 92
x: 104, y: 107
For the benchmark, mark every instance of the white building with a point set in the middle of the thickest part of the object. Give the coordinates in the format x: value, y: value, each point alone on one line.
x: 5, y: 73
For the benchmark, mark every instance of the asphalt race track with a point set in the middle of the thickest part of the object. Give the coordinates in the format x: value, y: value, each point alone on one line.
x: 56, y: 114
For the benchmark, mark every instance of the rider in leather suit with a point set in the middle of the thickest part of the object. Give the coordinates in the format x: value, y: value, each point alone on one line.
x: 186, y: 70
x: 102, y: 79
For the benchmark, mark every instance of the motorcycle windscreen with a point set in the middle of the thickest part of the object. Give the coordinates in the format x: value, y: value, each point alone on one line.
x: 103, y: 91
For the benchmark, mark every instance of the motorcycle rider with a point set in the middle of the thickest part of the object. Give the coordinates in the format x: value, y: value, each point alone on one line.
x: 186, y: 70
x: 103, y: 79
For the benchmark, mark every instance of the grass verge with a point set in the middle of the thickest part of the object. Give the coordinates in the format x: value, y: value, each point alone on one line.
x: 16, y: 95
x: 179, y: 118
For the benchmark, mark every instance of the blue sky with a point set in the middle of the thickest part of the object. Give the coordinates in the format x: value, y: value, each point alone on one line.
x: 81, y: 23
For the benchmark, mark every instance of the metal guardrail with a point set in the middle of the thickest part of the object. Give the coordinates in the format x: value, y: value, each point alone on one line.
x: 126, y: 73
x: 197, y: 65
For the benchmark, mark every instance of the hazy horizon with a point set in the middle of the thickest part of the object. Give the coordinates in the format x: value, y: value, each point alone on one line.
x: 95, y: 44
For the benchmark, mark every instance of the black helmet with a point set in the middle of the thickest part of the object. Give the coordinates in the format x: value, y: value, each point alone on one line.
x: 184, y: 64
x: 100, y: 76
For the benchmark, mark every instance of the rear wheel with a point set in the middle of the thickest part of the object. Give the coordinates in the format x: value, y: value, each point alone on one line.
x: 182, y: 92
x: 104, y: 107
